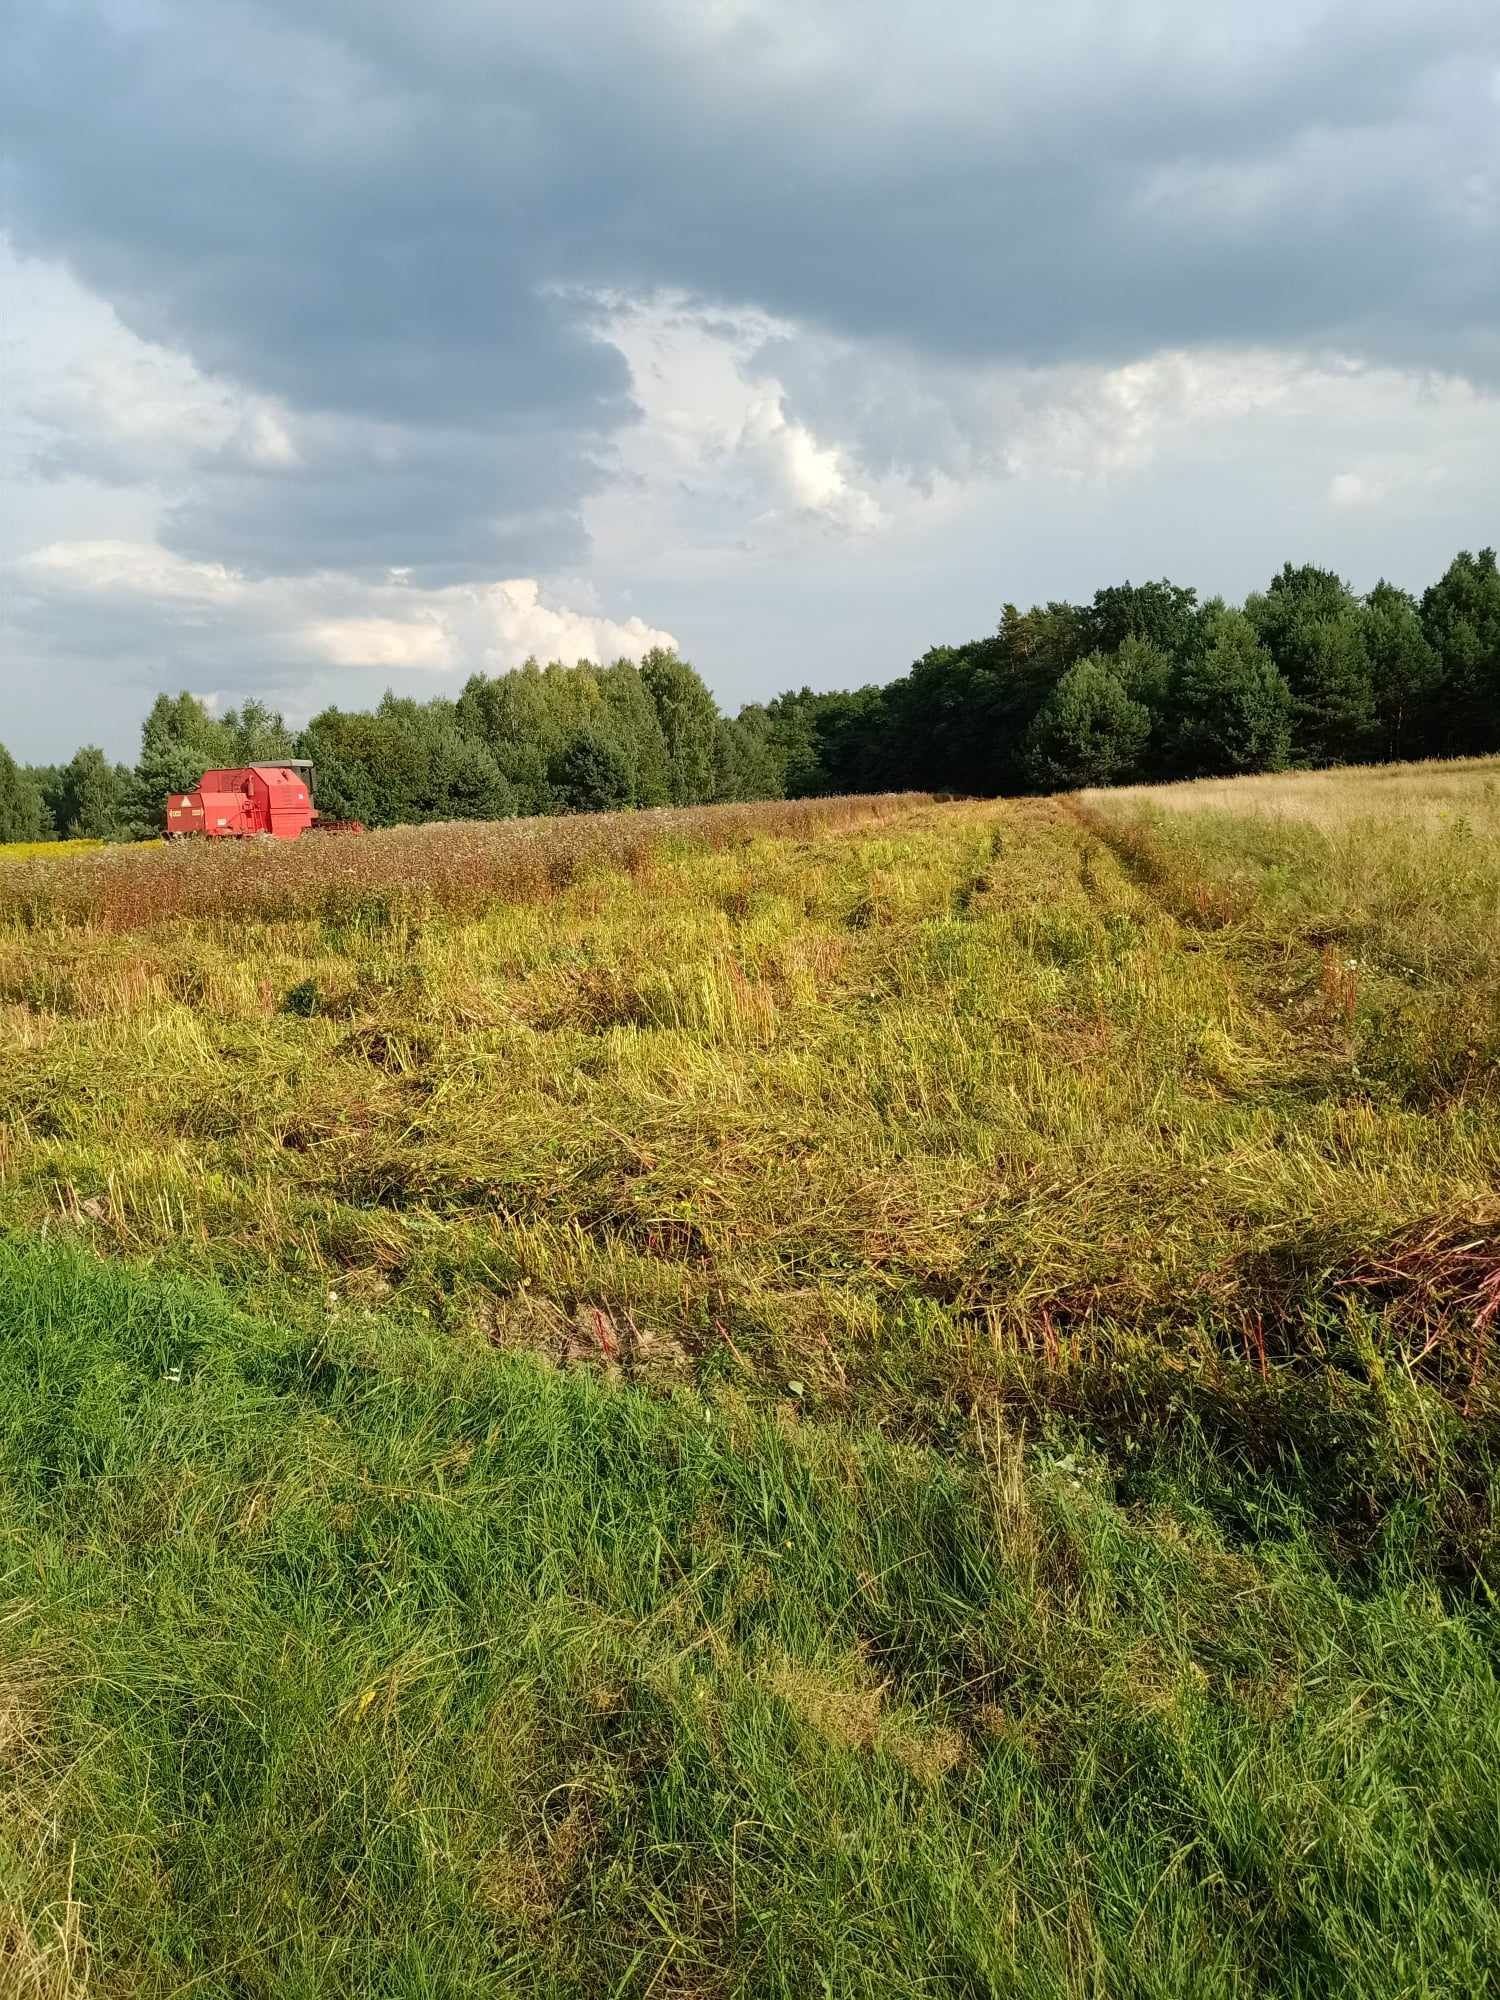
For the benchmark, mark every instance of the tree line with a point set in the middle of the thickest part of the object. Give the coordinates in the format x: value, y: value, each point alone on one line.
x: 548, y: 739
x: 1145, y: 682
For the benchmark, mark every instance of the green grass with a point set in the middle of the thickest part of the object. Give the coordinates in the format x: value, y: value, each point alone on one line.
x: 352, y: 1661
x: 900, y: 1402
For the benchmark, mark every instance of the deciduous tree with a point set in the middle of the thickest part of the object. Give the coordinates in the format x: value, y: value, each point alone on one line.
x: 689, y: 724
x: 22, y: 814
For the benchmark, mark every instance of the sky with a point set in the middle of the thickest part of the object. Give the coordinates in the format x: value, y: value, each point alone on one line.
x: 352, y: 344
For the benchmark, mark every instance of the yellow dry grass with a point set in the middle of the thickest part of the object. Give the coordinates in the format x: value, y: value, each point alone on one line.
x: 1430, y: 795
x: 942, y: 1079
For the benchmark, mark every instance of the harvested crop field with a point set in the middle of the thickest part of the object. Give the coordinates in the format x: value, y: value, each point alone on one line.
x: 875, y: 1397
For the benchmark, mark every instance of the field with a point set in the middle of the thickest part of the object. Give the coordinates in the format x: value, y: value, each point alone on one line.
x: 41, y: 850
x: 870, y: 1398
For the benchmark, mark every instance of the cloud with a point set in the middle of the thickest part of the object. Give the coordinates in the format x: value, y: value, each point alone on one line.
x: 814, y: 476
x: 88, y: 399
x: 370, y: 209
x: 773, y: 297
x: 282, y: 633
x: 718, y: 429
x: 1386, y: 479
x: 240, y: 477
x: 130, y: 569
x: 382, y: 642
x: 508, y: 622
x: 365, y: 497
x: 1354, y: 489
x: 756, y: 429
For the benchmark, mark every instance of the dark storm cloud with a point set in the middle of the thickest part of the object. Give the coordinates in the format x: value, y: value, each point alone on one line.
x: 291, y: 218
x: 372, y: 209
x: 365, y: 499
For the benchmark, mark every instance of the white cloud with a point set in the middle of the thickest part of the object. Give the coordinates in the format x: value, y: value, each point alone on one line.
x: 514, y: 624
x: 264, y: 438
x: 911, y: 421
x: 815, y: 478
x: 1355, y: 489
x: 381, y: 642
x: 723, y: 440
x: 288, y: 628
x: 475, y: 627
x: 130, y: 569
x: 88, y: 398
x: 1409, y: 475
x: 755, y: 429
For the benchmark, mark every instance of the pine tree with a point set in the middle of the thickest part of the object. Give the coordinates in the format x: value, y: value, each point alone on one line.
x: 1313, y: 627
x: 1461, y: 620
x: 592, y: 774
x: 747, y: 758
x: 1405, y: 674
x: 1231, y: 708
x: 1089, y: 731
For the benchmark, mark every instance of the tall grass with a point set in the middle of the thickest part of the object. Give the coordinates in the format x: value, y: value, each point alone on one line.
x: 967, y: 1071
x: 1429, y: 794
x: 1392, y: 876
x: 463, y: 867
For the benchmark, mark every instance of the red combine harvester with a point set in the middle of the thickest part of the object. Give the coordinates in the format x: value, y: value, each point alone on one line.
x: 269, y: 799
